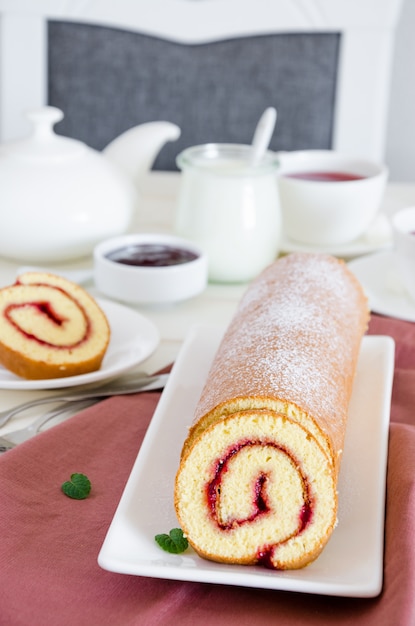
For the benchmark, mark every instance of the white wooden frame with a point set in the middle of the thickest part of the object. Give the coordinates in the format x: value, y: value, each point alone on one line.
x: 367, y: 27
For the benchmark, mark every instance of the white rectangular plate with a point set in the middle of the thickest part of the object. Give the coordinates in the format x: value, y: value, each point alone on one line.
x: 351, y: 563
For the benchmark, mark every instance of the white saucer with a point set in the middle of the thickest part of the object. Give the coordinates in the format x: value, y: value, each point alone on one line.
x: 380, y: 280
x: 378, y: 237
x: 133, y: 339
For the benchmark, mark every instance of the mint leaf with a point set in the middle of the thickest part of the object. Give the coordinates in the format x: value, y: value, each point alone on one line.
x: 175, y: 542
x: 78, y: 487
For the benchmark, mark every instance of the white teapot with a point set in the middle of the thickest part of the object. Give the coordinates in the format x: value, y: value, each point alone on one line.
x: 58, y: 197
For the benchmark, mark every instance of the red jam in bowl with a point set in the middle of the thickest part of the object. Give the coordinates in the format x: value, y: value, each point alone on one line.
x: 151, y: 255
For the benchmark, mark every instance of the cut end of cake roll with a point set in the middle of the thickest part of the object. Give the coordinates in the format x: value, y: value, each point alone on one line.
x: 256, y: 488
x: 50, y: 327
x: 257, y: 482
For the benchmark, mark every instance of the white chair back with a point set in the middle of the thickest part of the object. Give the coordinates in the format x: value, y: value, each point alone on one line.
x: 366, y: 36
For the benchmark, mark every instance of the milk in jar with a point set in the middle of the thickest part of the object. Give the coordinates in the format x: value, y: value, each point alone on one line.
x: 230, y: 208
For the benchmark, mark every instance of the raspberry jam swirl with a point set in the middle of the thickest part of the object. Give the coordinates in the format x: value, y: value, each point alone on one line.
x: 260, y: 504
x: 48, y: 316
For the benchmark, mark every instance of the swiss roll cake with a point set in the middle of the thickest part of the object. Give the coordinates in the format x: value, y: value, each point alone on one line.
x: 257, y: 481
x: 50, y: 327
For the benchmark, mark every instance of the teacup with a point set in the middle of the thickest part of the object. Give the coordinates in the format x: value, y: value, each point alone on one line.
x: 328, y: 198
x: 403, y: 227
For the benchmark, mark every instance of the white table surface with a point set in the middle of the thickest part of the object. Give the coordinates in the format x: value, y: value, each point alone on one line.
x: 215, y: 305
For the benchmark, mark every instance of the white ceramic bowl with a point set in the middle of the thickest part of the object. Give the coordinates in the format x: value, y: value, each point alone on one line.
x: 327, y: 213
x: 141, y: 284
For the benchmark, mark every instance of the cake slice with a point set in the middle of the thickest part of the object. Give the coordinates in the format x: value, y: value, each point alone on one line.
x: 50, y: 327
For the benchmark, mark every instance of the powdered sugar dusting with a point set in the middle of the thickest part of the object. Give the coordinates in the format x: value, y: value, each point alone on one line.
x: 295, y: 336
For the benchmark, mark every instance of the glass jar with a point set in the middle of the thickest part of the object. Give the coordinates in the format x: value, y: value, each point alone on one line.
x: 230, y: 208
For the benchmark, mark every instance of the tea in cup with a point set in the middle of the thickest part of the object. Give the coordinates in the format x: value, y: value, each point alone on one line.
x: 328, y: 198
x: 229, y: 207
x: 403, y: 227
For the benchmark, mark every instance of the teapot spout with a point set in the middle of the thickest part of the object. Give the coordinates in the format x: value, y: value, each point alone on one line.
x: 135, y: 150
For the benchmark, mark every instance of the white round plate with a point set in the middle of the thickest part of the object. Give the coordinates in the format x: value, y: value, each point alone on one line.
x: 378, y: 237
x: 133, y: 339
x: 380, y: 280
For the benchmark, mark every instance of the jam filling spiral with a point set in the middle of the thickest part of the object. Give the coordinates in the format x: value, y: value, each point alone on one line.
x: 260, y: 502
x: 61, y: 321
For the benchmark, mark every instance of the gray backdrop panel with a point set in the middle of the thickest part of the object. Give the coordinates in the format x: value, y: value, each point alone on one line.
x: 107, y: 80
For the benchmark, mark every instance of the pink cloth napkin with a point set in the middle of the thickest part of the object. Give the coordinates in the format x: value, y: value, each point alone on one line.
x: 49, y: 544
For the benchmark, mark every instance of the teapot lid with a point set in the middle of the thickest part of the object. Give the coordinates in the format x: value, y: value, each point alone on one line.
x: 44, y: 143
